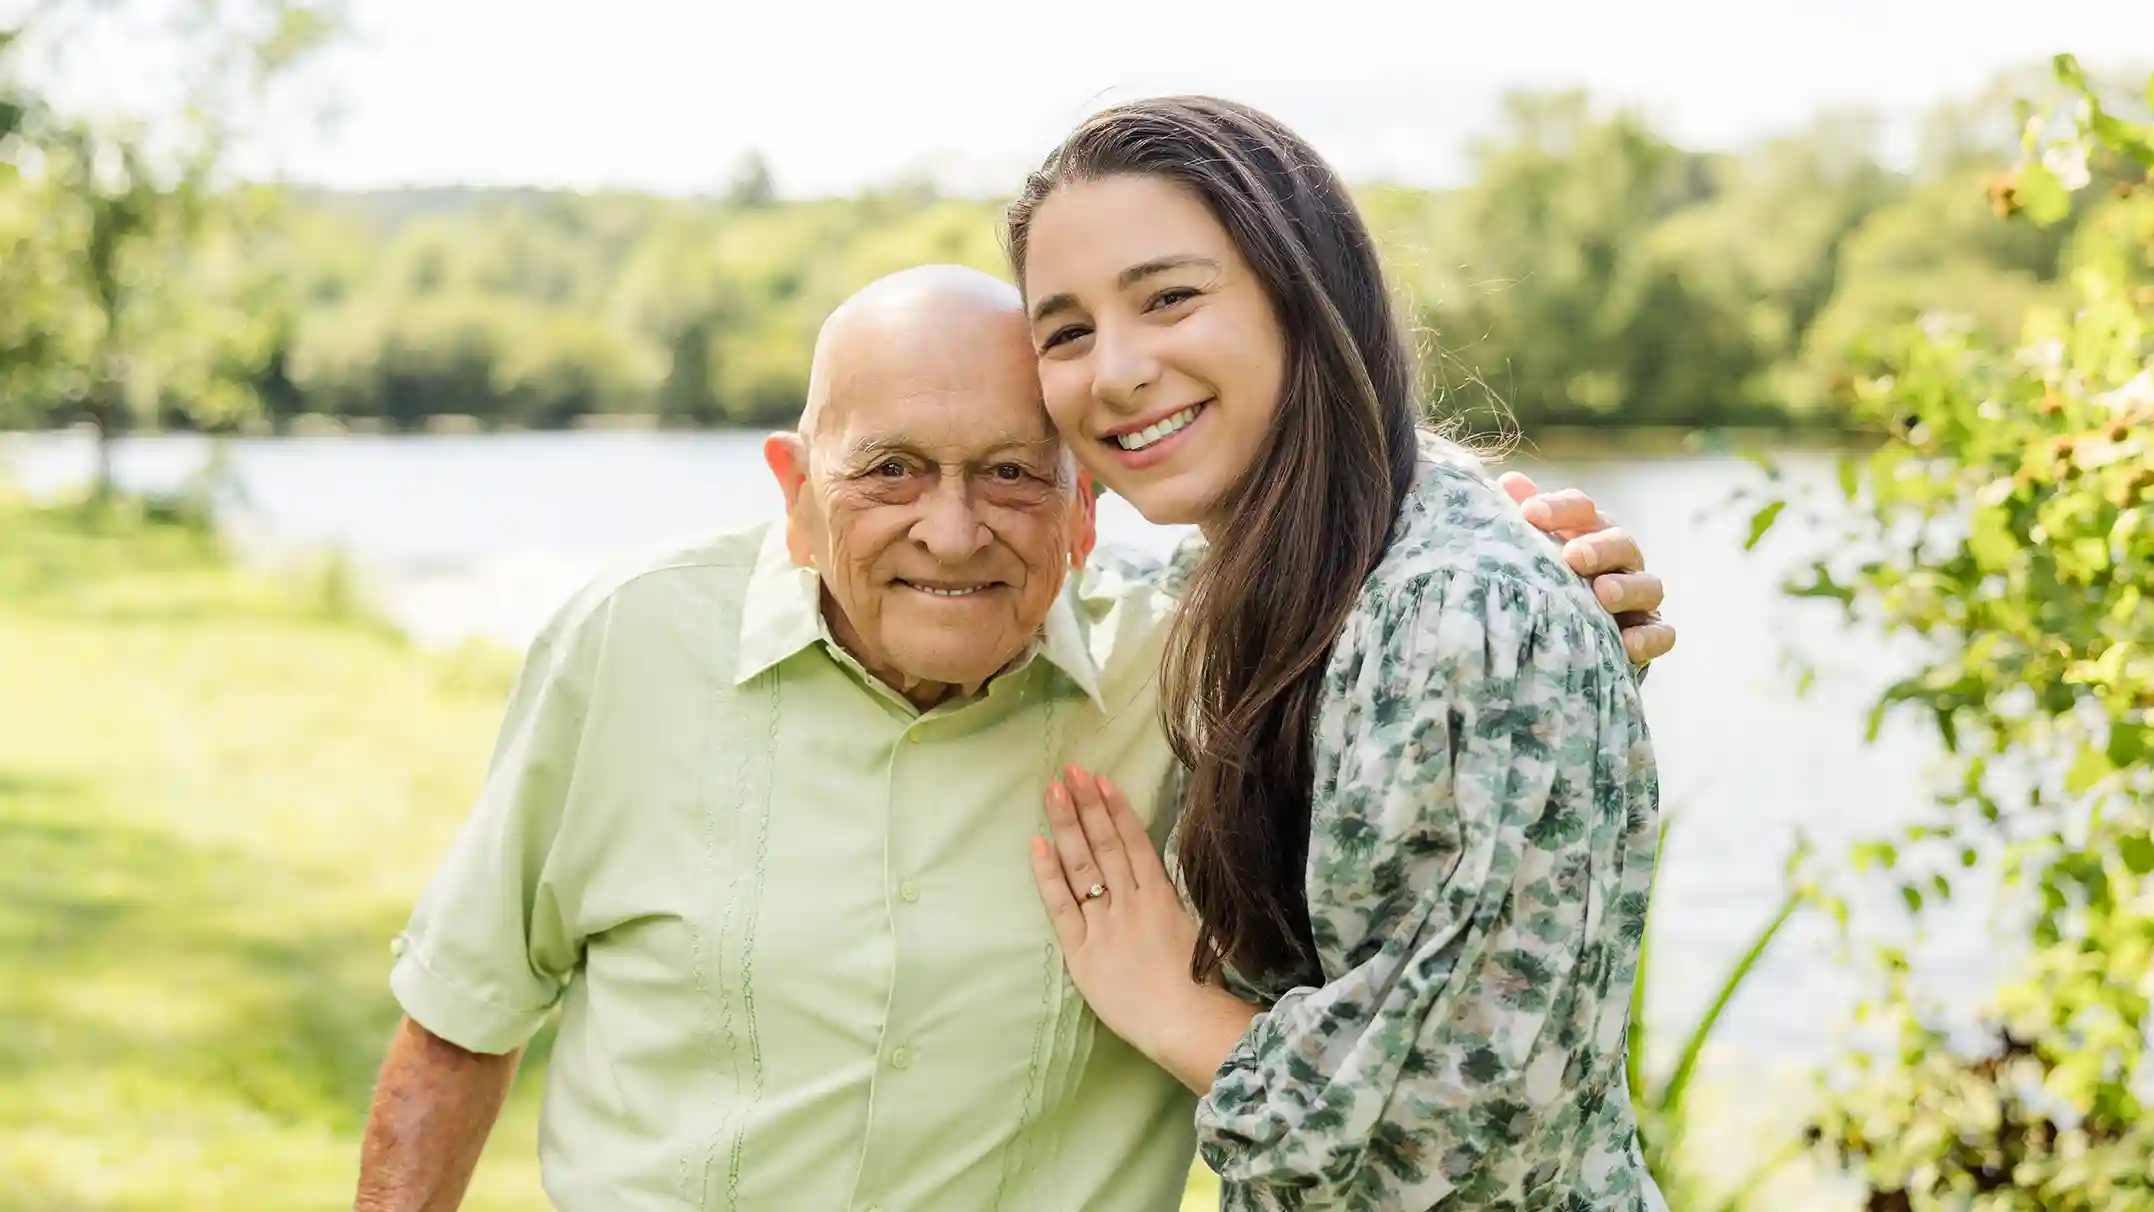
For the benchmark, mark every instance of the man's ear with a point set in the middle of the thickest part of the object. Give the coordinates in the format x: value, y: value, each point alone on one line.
x: 787, y: 455
x: 1084, y: 528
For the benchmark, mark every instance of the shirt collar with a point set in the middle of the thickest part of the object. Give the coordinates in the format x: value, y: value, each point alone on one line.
x: 782, y: 613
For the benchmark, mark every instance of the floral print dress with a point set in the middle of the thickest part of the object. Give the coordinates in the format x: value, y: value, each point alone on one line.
x: 1483, y: 835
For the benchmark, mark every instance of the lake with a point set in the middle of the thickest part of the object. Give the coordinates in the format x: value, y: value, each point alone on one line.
x: 485, y: 534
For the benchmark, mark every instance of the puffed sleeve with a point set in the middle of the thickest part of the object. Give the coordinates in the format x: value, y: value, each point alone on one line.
x: 1480, y: 860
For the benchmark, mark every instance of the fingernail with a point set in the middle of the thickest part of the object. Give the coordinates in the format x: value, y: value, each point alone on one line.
x: 1039, y: 847
x: 1056, y: 795
x: 1105, y: 787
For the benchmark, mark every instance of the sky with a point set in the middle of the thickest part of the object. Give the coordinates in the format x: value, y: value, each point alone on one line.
x: 666, y: 95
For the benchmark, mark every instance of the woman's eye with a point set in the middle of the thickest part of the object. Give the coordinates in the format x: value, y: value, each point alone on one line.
x: 1009, y: 473
x: 1172, y: 296
x: 890, y: 469
x: 1062, y: 336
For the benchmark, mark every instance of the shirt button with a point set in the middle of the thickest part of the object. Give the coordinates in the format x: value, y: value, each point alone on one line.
x: 901, y: 1059
x: 908, y: 892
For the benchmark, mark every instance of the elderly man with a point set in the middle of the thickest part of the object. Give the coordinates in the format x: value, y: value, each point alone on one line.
x: 757, y: 828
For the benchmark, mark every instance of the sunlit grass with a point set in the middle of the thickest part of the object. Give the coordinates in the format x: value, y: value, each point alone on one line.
x: 219, y: 793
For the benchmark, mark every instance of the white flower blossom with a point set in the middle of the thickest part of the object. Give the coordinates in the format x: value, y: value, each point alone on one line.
x: 2136, y: 393
x: 2068, y: 162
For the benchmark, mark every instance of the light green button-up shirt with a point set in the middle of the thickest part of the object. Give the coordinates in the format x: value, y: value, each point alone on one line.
x: 787, y: 919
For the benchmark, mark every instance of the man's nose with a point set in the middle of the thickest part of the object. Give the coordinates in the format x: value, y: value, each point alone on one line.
x: 1123, y: 367
x: 950, y: 526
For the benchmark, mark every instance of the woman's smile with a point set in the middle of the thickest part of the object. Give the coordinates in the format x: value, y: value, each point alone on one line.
x: 1143, y: 444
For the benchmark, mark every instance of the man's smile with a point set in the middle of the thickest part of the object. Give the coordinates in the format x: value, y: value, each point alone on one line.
x: 950, y: 589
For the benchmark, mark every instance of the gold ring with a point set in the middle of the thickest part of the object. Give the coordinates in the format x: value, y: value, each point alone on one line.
x: 1095, y: 892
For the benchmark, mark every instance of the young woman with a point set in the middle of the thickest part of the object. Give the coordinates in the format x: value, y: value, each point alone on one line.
x: 1419, y: 829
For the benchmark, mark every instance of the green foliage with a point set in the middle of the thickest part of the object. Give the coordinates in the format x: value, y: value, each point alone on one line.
x: 1939, y: 246
x: 450, y: 354
x: 1811, y: 191
x: 2006, y: 528
x: 13, y: 102
x: 1558, y: 302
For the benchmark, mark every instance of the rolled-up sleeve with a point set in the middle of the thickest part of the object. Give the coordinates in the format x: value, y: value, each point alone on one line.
x: 487, y: 952
x: 1468, y: 840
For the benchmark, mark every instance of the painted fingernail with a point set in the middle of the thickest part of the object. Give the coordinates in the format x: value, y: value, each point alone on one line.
x: 1056, y: 795
x: 1039, y: 847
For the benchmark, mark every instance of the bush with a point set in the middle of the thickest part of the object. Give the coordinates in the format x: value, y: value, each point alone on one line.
x: 2006, y: 527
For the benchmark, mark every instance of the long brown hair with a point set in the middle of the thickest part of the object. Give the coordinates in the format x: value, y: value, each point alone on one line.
x: 1306, y: 523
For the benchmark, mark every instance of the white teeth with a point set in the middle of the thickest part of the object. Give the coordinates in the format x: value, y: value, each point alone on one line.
x: 1153, y: 433
x: 967, y: 591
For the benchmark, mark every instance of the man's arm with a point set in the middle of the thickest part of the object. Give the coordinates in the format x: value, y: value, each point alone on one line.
x: 434, y: 1106
x: 489, y: 950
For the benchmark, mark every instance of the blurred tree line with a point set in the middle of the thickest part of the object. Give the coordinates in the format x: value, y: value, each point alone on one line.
x: 1593, y: 273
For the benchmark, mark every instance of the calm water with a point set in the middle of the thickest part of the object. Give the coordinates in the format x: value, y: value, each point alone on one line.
x: 485, y: 534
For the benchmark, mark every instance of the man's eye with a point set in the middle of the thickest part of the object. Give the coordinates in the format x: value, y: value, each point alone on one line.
x: 1010, y: 473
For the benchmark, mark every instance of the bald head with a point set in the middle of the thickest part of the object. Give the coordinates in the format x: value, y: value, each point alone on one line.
x: 922, y: 328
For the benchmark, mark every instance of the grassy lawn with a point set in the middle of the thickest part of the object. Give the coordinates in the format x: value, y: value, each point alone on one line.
x: 219, y: 793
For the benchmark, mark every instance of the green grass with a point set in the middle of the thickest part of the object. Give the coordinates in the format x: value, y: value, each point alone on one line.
x: 219, y: 793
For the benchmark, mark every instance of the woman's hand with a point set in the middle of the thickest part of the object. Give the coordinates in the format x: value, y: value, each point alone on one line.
x: 1125, y: 935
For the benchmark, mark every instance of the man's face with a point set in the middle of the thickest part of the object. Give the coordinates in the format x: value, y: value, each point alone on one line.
x: 939, y: 509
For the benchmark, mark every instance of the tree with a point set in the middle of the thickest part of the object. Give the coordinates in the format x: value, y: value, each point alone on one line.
x: 751, y: 185
x: 14, y: 103
x: 33, y: 316
x: 1558, y: 302
x: 1767, y: 247
x: 128, y: 202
